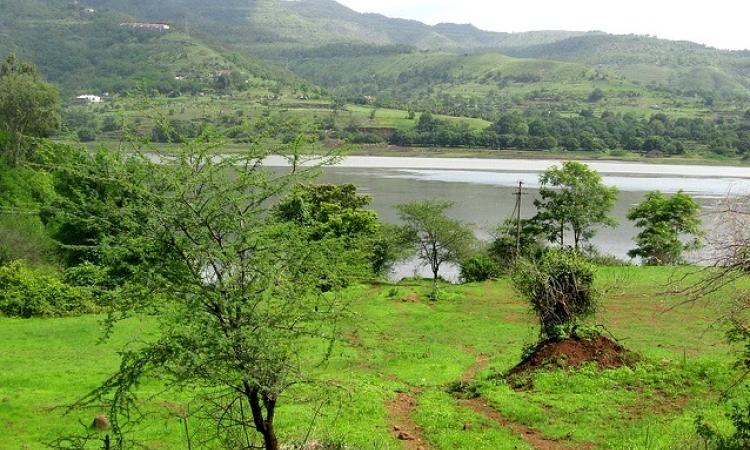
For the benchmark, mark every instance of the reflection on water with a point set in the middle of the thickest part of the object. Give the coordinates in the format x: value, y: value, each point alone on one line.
x: 485, y: 198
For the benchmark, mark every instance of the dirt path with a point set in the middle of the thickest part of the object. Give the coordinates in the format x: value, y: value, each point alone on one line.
x: 471, y: 373
x: 403, y: 427
x: 532, y: 437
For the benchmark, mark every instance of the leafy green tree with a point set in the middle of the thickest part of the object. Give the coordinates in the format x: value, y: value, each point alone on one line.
x: 669, y: 227
x: 574, y: 199
x: 29, y: 107
x: 479, y: 268
x: 236, y: 293
x: 339, y: 212
x: 596, y: 95
x: 438, y: 238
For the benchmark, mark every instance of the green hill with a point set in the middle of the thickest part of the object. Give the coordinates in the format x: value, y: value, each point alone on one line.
x: 483, y: 84
x: 272, y: 25
x: 85, y: 50
x: 679, y: 66
x: 290, y: 31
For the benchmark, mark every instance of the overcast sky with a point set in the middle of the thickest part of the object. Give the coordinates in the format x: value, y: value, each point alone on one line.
x: 718, y: 23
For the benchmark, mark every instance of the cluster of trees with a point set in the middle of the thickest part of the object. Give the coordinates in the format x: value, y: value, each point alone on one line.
x: 658, y: 134
x: 574, y: 204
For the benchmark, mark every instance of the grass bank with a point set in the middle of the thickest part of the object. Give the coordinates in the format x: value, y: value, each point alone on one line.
x: 392, y: 382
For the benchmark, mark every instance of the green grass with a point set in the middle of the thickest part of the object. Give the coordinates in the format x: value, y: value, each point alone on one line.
x: 397, y: 341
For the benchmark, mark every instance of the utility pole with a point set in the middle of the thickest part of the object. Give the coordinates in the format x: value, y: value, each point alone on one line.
x: 517, y: 217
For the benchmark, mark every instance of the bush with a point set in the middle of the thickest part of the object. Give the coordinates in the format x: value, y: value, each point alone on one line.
x: 86, y: 134
x: 27, y: 292
x: 479, y: 268
x: 559, y: 287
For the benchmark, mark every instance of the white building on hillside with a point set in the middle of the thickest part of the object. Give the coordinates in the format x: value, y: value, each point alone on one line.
x: 156, y: 26
x: 88, y: 99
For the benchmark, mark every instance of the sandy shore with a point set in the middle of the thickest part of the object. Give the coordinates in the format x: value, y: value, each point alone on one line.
x: 528, y: 165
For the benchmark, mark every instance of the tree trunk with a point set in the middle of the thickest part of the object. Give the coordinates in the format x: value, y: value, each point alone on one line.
x: 269, y: 438
x: 14, y: 155
x: 264, y: 425
x: 562, y: 234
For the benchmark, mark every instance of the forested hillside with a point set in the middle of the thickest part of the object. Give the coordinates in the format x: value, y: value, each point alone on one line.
x: 85, y: 49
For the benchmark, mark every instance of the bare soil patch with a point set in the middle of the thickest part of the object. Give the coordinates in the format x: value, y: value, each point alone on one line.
x: 403, y: 427
x: 574, y: 352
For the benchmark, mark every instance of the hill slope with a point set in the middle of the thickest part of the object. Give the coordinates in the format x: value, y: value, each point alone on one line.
x: 86, y: 50
x: 264, y: 25
x: 675, y: 65
x: 293, y: 30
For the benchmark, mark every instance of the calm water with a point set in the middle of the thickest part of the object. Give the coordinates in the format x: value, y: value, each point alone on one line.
x: 483, y: 190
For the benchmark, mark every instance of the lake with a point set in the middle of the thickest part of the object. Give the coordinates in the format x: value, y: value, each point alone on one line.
x: 483, y: 190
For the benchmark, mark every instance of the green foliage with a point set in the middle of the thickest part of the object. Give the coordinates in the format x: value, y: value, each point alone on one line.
x: 574, y: 199
x: 29, y: 108
x: 24, y: 188
x: 559, y: 286
x: 665, y: 223
x: 504, y: 249
x: 23, y: 237
x: 739, y: 439
x: 436, y: 237
x: 332, y: 210
x: 338, y: 212
x: 479, y: 268
x: 92, y: 204
x: 26, y: 292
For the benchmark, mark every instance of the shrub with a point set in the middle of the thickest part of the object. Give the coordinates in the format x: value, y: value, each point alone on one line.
x: 27, y: 292
x: 86, y: 134
x: 479, y: 268
x: 738, y: 440
x: 559, y: 287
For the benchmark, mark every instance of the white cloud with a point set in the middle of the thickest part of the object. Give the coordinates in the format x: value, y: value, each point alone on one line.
x: 719, y: 23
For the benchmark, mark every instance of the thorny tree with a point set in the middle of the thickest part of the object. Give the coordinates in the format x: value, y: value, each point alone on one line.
x: 437, y: 238
x: 726, y: 278
x: 237, y: 295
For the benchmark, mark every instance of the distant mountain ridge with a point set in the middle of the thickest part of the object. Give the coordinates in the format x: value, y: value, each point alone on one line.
x: 290, y: 30
x: 292, y: 33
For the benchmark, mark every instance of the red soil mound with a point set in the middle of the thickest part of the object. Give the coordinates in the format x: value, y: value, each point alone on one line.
x: 574, y: 352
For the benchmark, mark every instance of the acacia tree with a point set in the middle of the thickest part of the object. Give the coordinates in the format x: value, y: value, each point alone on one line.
x: 29, y: 107
x: 574, y: 199
x: 438, y: 238
x: 670, y: 226
x: 237, y: 294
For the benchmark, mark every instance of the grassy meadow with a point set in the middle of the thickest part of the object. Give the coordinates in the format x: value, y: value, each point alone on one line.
x: 431, y: 372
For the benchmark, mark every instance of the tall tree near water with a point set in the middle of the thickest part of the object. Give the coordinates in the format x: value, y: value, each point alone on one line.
x: 574, y: 200
x: 669, y: 227
x: 438, y: 238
